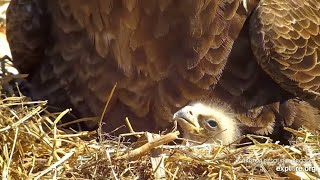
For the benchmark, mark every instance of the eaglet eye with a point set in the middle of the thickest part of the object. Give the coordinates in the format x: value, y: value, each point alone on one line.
x: 212, y: 124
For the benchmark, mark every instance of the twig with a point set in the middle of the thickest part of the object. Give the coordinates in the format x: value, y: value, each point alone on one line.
x: 140, y: 151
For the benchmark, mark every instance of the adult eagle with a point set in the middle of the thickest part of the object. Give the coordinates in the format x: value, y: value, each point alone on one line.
x: 256, y: 56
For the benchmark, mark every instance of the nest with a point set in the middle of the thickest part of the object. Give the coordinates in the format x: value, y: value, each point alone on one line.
x: 35, y: 146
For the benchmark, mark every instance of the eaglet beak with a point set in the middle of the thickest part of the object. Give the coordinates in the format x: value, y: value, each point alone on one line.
x: 187, y: 119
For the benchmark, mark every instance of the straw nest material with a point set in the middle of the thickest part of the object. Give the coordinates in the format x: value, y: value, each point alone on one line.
x: 33, y: 146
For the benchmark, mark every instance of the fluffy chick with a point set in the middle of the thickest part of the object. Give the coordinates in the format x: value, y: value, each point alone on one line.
x: 207, y: 122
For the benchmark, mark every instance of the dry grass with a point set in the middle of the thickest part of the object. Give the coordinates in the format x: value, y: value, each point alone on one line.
x: 33, y: 147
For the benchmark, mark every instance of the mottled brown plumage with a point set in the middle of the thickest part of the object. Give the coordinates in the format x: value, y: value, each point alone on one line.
x: 165, y: 54
x: 285, y: 37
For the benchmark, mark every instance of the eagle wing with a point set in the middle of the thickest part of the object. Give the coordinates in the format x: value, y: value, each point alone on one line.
x: 285, y: 38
